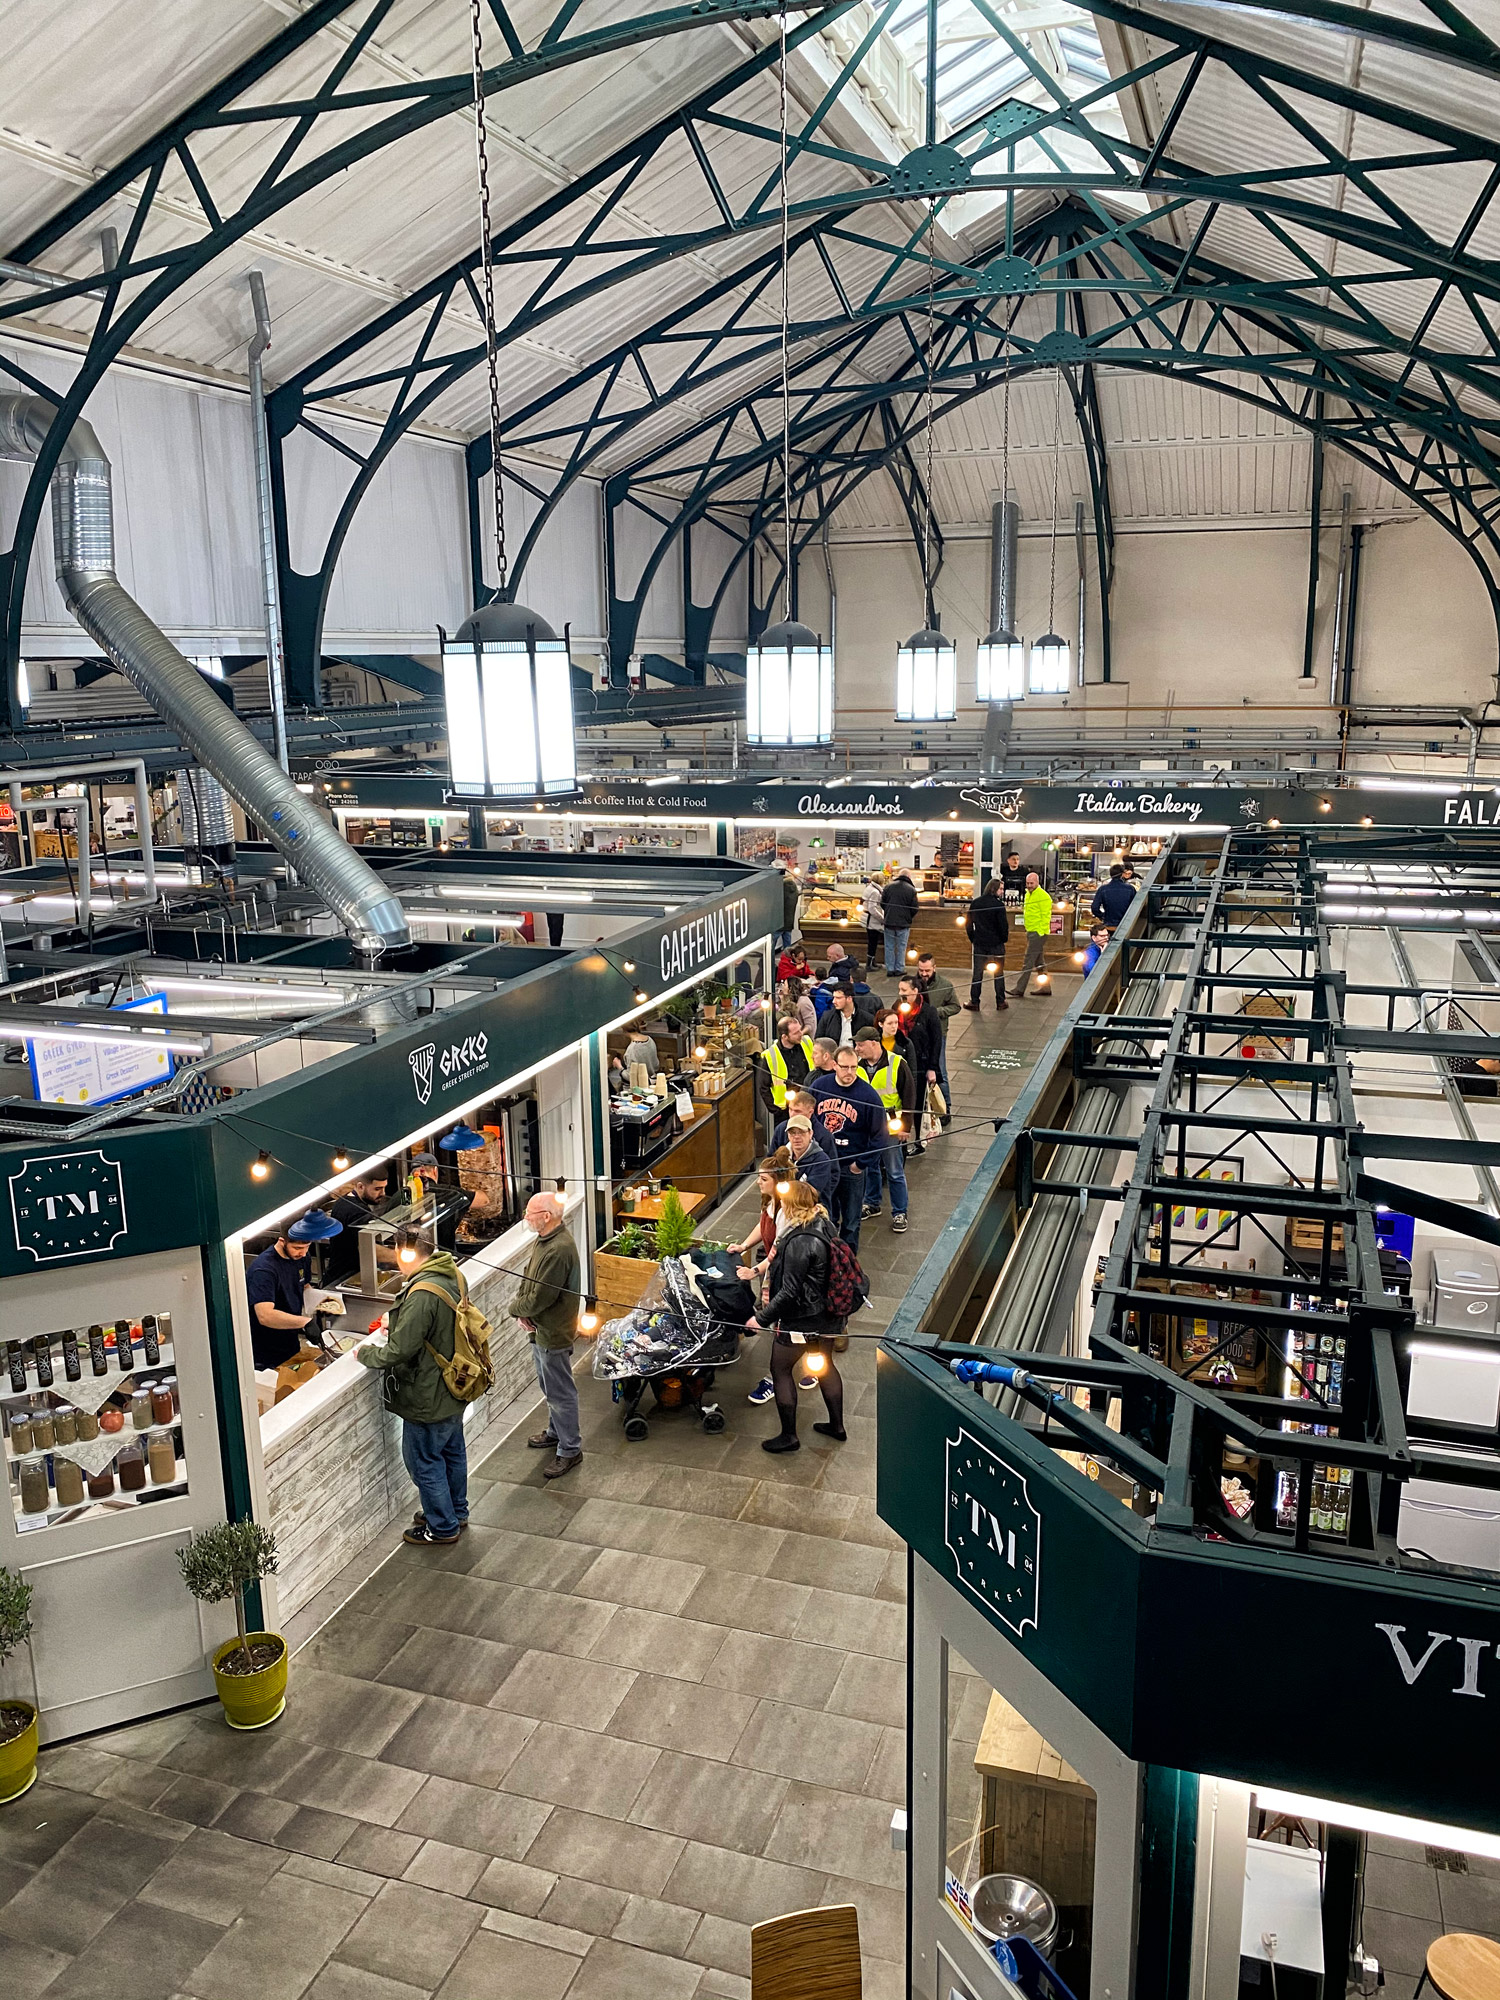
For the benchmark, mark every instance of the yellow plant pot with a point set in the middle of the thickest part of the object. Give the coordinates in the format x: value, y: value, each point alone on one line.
x: 252, y: 1700
x: 18, y: 1757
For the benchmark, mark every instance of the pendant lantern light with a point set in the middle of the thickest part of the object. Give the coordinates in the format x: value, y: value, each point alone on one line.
x: 1051, y: 657
x: 788, y: 670
x: 507, y: 677
x: 927, y: 665
x: 1000, y: 659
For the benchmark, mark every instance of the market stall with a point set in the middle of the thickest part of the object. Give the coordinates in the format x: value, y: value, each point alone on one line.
x: 474, y: 1077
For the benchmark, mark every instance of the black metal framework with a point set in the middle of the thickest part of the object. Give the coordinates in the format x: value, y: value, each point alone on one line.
x: 1274, y: 1086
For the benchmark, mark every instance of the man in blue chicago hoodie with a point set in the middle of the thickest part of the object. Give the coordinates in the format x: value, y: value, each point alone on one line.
x: 851, y: 1114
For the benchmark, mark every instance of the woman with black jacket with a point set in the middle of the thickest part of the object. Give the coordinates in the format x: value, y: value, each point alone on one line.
x: 988, y: 928
x: 797, y: 1304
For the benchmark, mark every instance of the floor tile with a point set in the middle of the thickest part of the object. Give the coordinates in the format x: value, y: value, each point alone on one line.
x: 829, y: 1565
x: 744, y: 1887
x: 545, y: 1621
x: 254, y: 1816
x: 575, y: 1767
x: 672, y: 1713
x: 490, y: 1822
x: 352, y: 1982
x: 513, y: 1885
x: 882, y: 1916
x: 750, y: 1663
x: 319, y: 1834
x: 412, y: 1934
x: 541, y: 1561
x: 145, y: 1952
x: 604, y: 1850
x: 453, y: 1870
x: 585, y: 1906
x: 212, y: 1876
x: 614, y: 1971
x: 652, y: 1640
x: 621, y: 1524
x: 656, y: 1926
x: 492, y: 1965
x: 358, y: 1787
x: 842, y: 1835
x: 275, y: 1949
x: 722, y: 1943
x: 451, y: 1665
x: 554, y: 1687
x: 198, y: 1800
x: 723, y: 1599
x: 380, y: 1850
x: 833, y: 1750
x: 1469, y: 1903
x: 1399, y: 1942
x: 856, y: 1624
x: 1410, y: 1887
x: 652, y: 1583
x: 354, y: 1642
x: 341, y: 1712
x: 708, y: 1801
x: 90, y: 1878
x: 870, y: 1690
x: 455, y: 1739
x: 26, y: 1969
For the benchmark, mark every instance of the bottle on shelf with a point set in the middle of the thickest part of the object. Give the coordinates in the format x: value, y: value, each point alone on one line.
x: 41, y: 1347
x: 98, y: 1359
x: 124, y: 1347
x: 15, y: 1355
x: 150, y: 1339
x: 72, y: 1361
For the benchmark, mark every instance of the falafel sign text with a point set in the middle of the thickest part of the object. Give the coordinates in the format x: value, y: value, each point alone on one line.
x: 704, y: 940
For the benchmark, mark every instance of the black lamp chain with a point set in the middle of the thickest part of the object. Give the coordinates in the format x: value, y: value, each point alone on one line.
x: 927, y: 602
x: 786, y: 336
x: 487, y: 279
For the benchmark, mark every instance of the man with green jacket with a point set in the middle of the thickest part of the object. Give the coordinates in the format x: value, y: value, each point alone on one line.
x: 546, y: 1307
x: 1037, y: 916
x: 432, y: 1421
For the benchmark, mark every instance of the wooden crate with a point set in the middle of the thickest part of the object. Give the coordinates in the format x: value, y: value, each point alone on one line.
x: 620, y: 1281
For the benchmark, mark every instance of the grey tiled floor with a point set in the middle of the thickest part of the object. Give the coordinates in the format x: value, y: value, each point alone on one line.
x: 1408, y: 1903
x: 578, y: 1755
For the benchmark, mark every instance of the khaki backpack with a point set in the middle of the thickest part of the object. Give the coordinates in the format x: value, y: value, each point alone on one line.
x: 471, y: 1372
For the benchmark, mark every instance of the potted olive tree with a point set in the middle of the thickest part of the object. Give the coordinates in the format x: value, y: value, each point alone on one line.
x: 249, y: 1670
x: 17, y: 1718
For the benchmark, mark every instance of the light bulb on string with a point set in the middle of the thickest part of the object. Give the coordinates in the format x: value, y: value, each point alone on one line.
x: 260, y: 1166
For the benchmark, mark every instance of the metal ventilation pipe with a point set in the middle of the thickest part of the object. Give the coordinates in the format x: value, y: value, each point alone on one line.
x: 84, y: 546
x: 207, y: 823
x: 1005, y: 529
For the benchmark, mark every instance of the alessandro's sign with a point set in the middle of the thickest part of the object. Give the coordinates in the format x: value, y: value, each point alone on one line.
x: 705, y: 940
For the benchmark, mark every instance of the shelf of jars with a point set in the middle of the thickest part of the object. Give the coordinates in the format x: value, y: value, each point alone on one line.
x: 92, y: 1421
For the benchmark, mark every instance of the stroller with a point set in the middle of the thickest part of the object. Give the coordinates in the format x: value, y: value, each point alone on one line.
x: 686, y: 1325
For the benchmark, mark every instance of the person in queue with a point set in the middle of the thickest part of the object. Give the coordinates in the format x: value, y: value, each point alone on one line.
x: 1113, y: 897
x: 806, y: 1160
x: 546, y: 1307
x: 898, y: 901
x: 854, y: 1118
x: 421, y: 1327
x: 988, y: 928
x: 774, y: 1175
x: 825, y: 1049
x: 792, y: 997
x: 844, y: 1017
x: 941, y: 996
x: 894, y: 1082
x: 781, y: 1067
x: 791, y: 903
x: 796, y: 1292
x: 273, y: 1285
x: 361, y: 1202
x: 872, y: 909
x: 800, y: 1104
x: 1037, y: 918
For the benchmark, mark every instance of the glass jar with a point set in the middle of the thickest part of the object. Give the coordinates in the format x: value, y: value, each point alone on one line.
x: 69, y: 1478
x: 161, y: 1459
x: 87, y: 1424
x: 43, y: 1435
x: 33, y: 1486
x: 161, y: 1403
x: 131, y: 1466
x: 65, y: 1425
x: 140, y: 1409
x: 20, y: 1436
x: 169, y: 1383
x: 102, y: 1483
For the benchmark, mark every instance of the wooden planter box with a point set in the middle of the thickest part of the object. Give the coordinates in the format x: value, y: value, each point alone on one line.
x: 620, y: 1281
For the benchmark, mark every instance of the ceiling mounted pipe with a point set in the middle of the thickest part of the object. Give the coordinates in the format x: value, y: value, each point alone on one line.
x: 83, y: 537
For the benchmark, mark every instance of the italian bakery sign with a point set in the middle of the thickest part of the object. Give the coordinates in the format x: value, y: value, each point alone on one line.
x: 993, y: 1533
x: 704, y: 940
x: 67, y: 1205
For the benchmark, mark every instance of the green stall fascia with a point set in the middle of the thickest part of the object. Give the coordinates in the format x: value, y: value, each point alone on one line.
x: 1146, y: 1631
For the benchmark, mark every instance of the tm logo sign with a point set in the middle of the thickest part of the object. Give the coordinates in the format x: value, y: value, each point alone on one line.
x: 993, y: 1533
x: 67, y: 1205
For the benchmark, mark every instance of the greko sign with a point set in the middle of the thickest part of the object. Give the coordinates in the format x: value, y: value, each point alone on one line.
x: 1122, y: 1616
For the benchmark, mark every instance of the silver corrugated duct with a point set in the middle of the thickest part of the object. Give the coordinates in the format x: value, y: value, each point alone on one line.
x: 84, y: 544
x: 203, y: 807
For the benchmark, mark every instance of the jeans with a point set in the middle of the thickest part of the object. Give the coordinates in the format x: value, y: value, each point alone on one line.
x: 895, y: 949
x: 435, y: 1457
x: 848, y: 1198
x: 781, y: 941
x: 977, y: 975
x: 891, y: 1166
x: 1036, y: 944
x: 554, y: 1374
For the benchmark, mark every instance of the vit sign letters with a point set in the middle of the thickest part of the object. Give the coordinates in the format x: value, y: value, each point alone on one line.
x: 705, y: 940
x: 993, y: 1533
x: 67, y: 1205
x: 1415, y: 1655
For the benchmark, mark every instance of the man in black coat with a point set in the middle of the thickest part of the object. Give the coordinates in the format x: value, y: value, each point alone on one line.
x: 988, y: 930
x: 1113, y: 898
x: 845, y: 1015
x: 898, y: 902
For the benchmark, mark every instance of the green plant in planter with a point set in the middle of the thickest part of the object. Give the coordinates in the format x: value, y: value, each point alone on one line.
x: 674, y: 1226
x: 223, y: 1562
x: 631, y: 1240
x: 18, y: 1738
